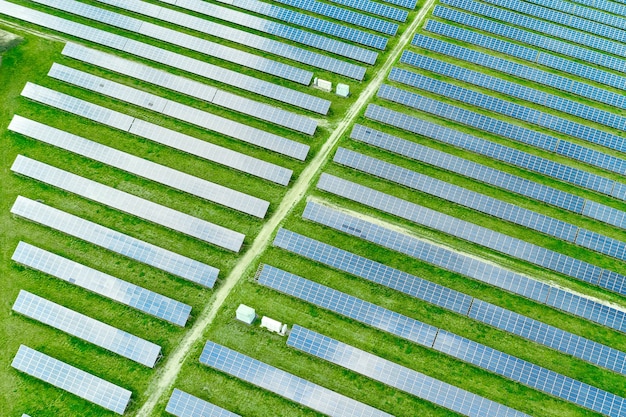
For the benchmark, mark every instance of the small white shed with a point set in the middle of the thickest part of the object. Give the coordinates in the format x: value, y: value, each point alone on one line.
x: 245, y: 314
x: 273, y: 325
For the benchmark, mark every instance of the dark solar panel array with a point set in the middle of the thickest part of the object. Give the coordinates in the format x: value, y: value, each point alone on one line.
x: 182, y: 404
x: 117, y: 242
x: 568, y: 66
x: 520, y: 70
x: 476, y: 309
x: 459, y: 347
x: 469, y: 266
x: 344, y: 15
x: 524, y: 113
x: 485, y: 174
x: 400, y: 377
x: 283, y: 383
x: 504, y: 153
x: 526, y: 93
x: 373, y: 7
x: 526, y: 37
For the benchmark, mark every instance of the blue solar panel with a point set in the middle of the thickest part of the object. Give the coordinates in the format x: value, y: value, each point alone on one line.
x: 373, y: 271
x: 530, y: 374
x: 312, y: 22
x: 612, y: 7
x: 347, y: 305
x: 588, y: 13
x: 400, y: 377
x: 344, y: 15
x: 283, y: 383
x: 409, y: 4
x: 565, y: 65
x: 453, y: 193
x: 457, y: 262
x: 182, y: 404
x: 513, y: 156
x: 519, y: 70
x: 372, y: 7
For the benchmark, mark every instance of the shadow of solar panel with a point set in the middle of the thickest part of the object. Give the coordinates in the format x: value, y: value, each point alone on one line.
x: 141, y: 167
x: 87, y: 328
x: 283, y: 383
x: 513, y: 68
x: 242, y: 37
x: 178, y: 111
x: 530, y: 38
x: 128, y: 203
x: 495, y: 150
x: 565, y: 65
x: 191, y: 88
x: 397, y: 376
x: 125, y: 245
x: 590, y: 15
x: 585, y: 35
x: 71, y: 379
x: 344, y: 15
x: 378, y: 9
x: 182, y: 404
x: 373, y: 271
x: 463, y: 264
x: 184, y: 40
x: 103, y: 284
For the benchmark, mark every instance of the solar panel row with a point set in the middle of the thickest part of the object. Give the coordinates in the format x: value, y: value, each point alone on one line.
x: 162, y: 56
x: 283, y: 383
x: 71, y: 379
x: 140, y: 166
x: 584, y: 12
x: 459, y: 347
x: 128, y: 203
x: 344, y: 15
x: 319, y: 42
x: 526, y: 114
x: 373, y: 7
x: 175, y: 110
x: 182, y: 404
x: 520, y: 70
x: 183, y: 40
x: 398, y: 376
x: 526, y: 93
x: 474, y: 308
x: 468, y: 266
x: 468, y: 231
x: 504, y: 153
x: 530, y: 38
x: 565, y: 19
x: 567, y: 66
x: 248, y: 39
x: 613, y: 7
x: 103, y: 284
x: 409, y: 4
x: 114, y: 241
x: 87, y: 328
x: 481, y: 173
x: 191, y: 88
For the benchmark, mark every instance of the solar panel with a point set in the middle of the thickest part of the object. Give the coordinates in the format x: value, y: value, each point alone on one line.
x: 397, y: 376
x: 612, y: 7
x: 103, y: 284
x: 482, y: 311
x: 182, y: 404
x: 585, y: 12
x: 192, y: 88
x: 165, y: 57
x: 373, y: 271
x: 130, y: 247
x: 409, y: 4
x: 87, y: 328
x: 184, y: 40
x: 344, y: 15
x: 347, y: 305
x: 453, y: 193
x: 128, y: 203
x: 468, y: 266
x: 513, y: 156
x: 283, y: 383
x: 141, y: 167
x: 177, y: 110
x: 373, y: 7
x: 71, y: 379
x: 519, y: 70
x: 552, y: 61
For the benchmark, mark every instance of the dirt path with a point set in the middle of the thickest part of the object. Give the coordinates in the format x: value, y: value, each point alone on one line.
x: 164, y: 380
